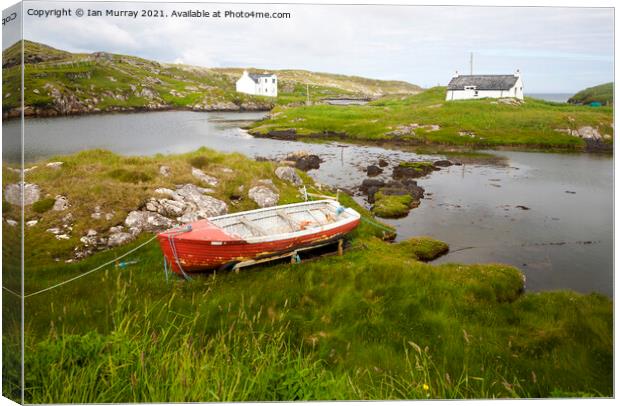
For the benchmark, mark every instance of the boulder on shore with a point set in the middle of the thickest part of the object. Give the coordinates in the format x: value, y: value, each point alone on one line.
x: 288, y: 174
x: 265, y: 194
x: 373, y: 170
x: 304, y: 160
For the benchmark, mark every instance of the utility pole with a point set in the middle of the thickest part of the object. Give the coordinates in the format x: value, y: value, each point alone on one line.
x: 471, y: 63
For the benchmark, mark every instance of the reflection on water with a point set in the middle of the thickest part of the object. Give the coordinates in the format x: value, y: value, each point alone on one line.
x: 548, y: 214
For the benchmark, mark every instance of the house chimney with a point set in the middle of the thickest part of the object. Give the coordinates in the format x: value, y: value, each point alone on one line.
x: 456, y: 74
x: 518, y: 73
x: 245, y: 73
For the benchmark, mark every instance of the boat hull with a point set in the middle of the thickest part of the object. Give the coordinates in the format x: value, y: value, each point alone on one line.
x: 186, y: 254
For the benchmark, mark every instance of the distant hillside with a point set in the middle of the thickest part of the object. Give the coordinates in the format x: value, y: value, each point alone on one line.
x: 63, y: 83
x: 603, y: 94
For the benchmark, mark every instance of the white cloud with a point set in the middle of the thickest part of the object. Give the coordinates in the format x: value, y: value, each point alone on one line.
x: 419, y: 44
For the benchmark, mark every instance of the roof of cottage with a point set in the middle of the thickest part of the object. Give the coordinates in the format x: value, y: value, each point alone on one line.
x: 483, y: 82
x: 256, y: 76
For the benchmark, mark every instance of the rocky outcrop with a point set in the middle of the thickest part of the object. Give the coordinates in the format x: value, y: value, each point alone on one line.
x: 139, y: 221
x: 12, y: 193
x: 585, y: 132
x: 409, y: 129
x: 186, y: 204
x: 119, y: 238
x: 61, y: 203
x: 65, y: 101
x: 304, y: 160
x: 265, y: 194
x: 409, y: 170
x: 54, y: 165
x: 288, y: 174
x: 373, y: 170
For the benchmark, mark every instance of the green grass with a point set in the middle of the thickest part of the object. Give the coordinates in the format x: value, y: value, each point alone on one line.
x: 466, y: 123
x: 375, y: 323
x: 603, y: 94
x: 425, y: 248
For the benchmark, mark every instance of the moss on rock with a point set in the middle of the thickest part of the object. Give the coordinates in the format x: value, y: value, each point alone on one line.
x: 392, y: 206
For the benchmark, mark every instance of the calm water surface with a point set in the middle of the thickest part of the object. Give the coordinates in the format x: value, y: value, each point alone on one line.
x: 561, y: 237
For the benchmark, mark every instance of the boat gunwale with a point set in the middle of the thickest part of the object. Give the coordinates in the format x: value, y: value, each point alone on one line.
x: 271, y: 237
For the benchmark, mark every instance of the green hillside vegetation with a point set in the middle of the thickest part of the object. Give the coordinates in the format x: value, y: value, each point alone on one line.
x: 603, y: 94
x: 375, y: 323
x: 59, y: 82
x: 427, y: 119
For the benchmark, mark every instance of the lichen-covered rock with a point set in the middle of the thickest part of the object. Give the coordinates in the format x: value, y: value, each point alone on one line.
x: 12, y: 193
x: 165, y: 170
x: 54, y: 165
x: 588, y: 133
x: 148, y: 221
x: 288, y: 174
x: 120, y: 238
x: 202, y: 205
x: 203, y: 177
x: 11, y: 222
x: 264, y: 195
x: 61, y: 203
x: 166, y: 207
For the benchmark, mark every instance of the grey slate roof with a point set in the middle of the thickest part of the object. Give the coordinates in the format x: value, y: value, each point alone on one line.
x: 483, y: 82
x: 256, y: 76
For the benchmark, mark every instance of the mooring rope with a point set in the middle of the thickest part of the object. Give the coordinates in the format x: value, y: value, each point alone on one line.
x: 173, y: 248
x: 82, y: 274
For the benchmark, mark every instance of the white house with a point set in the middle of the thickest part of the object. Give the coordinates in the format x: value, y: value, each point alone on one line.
x: 478, y: 86
x: 265, y: 84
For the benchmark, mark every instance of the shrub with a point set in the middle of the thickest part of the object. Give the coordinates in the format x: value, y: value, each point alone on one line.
x: 198, y: 161
x: 43, y: 205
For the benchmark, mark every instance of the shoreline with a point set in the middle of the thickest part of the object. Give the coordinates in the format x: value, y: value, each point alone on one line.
x: 15, y: 114
x: 592, y: 147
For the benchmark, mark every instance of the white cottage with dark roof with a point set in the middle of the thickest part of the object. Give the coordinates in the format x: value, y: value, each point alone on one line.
x: 463, y: 87
x: 265, y: 84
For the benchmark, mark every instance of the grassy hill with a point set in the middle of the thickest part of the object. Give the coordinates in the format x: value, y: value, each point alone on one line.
x: 375, y: 323
x: 427, y: 119
x: 603, y: 94
x: 59, y: 83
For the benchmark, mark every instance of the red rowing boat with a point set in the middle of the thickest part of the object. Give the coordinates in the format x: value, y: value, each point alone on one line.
x: 232, y: 239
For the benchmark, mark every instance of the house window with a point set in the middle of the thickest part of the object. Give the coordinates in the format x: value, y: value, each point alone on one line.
x: 470, y: 87
x: 273, y: 80
x: 475, y: 93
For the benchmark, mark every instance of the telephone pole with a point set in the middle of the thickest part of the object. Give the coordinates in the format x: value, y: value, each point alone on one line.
x: 471, y: 63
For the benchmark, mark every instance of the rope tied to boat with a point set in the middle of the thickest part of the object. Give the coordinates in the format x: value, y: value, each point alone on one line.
x: 173, y: 248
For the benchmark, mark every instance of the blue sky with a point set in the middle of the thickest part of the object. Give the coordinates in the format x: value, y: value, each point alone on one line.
x: 556, y: 49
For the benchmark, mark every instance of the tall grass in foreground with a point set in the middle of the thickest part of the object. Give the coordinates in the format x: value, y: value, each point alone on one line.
x: 242, y: 361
